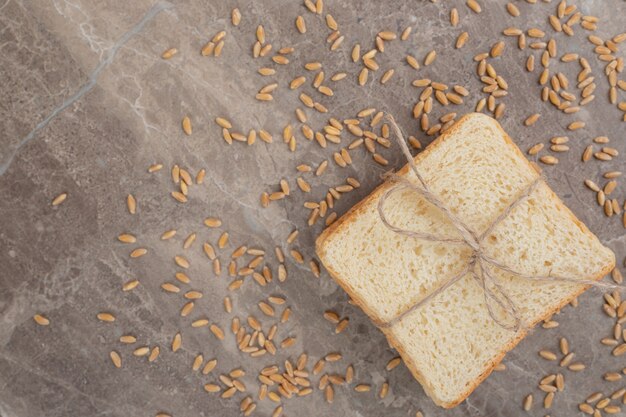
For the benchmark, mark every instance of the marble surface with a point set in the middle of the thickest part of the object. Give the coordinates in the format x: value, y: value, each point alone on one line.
x: 87, y: 105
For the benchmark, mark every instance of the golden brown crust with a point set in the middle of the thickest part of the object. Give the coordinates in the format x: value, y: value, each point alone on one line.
x: 348, y: 217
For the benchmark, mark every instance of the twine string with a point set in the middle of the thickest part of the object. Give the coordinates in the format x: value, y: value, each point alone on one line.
x: 480, y: 265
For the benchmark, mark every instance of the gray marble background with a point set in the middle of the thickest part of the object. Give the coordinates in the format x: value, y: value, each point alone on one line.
x: 87, y: 104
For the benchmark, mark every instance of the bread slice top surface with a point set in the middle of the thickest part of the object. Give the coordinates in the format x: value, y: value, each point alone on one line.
x: 456, y: 341
x: 477, y: 171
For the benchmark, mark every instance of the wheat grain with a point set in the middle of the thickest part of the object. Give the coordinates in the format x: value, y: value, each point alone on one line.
x: 331, y: 316
x: 128, y: 339
x: 106, y: 317
x: 186, y: 124
x: 209, y: 366
x: 126, y: 238
x: 142, y: 351
x: 576, y: 367
x: 154, y: 354
x: 235, y: 17
x: 454, y: 17
x: 576, y: 125
x: 189, y: 241
x: 528, y: 402
x: 499, y: 111
x: 619, y: 393
x: 387, y: 76
x: 497, y: 49
x: 474, y: 6
x: 535, y: 149
x: 461, y: 40
x: 342, y: 325
x: 512, y: 9
x: 619, y: 350
x: 200, y: 323
x: 612, y: 409
x: 155, y: 167
x: 284, y: 317
x: 560, y: 382
x: 168, y: 53
x: 169, y: 287
x: 547, y: 401
x: 41, y: 320
x: 217, y: 51
x: 547, y: 355
x: 176, y: 342
x: 532, y: 119
x: 130, y: 285
x: 394, y: 362
x: 267, y: 309
x: 430, y: 57
x: 603, y: 403
x: 594, y: 398
x: 59, y: 199
x: 131, y: 204
x: 362, y: 388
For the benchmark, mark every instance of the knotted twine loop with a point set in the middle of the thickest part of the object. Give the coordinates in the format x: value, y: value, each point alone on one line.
x: 480, y: 263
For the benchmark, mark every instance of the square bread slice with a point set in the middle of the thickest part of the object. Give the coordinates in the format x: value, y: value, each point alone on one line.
x: 451, y: 344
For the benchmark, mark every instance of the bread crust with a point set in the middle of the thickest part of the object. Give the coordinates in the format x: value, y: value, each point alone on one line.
x: 349, y: 217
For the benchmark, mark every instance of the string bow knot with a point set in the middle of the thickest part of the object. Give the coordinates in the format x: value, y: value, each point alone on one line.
x: 480, y: 264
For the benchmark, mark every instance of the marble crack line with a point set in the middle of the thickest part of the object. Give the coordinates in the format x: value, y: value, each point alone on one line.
x: 616, y: 239
x: 5, y: 4
x: 585, y: 203
x: 91, y: 83
x: 224, y: 189
x: 95, y: 399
